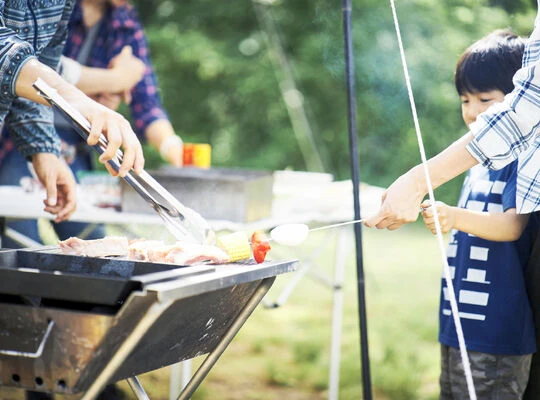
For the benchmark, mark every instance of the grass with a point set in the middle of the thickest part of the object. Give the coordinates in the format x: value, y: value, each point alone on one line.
x: 284, y: 353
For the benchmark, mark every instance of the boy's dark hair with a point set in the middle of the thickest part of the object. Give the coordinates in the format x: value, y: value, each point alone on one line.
x: 490, y: 63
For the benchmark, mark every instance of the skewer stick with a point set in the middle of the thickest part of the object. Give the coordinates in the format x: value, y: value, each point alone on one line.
x: 295, y: 234
x: 356, y: 221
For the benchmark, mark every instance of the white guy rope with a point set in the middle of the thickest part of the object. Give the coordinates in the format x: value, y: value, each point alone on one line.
x: 447, y: 277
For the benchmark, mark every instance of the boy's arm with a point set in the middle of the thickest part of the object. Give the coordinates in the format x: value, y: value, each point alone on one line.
x: 495, y: 226
x: 498, y: 227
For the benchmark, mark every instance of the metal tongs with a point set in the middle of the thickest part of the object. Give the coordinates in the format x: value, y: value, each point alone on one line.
x: 181, y: 221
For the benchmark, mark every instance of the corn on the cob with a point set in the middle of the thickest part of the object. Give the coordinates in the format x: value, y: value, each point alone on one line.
x: 236, y: 245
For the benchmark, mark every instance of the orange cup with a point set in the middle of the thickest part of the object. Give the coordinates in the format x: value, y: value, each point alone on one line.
x: 187, y: 155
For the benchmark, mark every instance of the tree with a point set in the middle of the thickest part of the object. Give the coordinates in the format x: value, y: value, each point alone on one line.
x: 220, y: 86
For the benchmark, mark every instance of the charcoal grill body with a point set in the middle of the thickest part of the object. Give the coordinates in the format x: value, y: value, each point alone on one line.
x: 74, y: 324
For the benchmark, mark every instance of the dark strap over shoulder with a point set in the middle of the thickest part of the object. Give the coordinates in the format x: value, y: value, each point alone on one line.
x: 532, y: 281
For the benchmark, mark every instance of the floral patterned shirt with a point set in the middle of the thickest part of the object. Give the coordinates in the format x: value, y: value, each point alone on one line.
x: 120, y: 27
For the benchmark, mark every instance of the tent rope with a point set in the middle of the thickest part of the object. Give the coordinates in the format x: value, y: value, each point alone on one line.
x: 440, y: 239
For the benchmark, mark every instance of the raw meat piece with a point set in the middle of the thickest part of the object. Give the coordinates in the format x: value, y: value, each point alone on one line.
x: 186, y: 253
x: 159, y: 254
x: 195, y: 253
x: 179, y: 253
x: 138, y: 249
x: 108, y: 246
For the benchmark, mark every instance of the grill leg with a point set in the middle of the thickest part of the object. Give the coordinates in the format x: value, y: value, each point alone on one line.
x: 137, y: 388
x: 180, y: 374
x: 212, y: 358
x: 152, y: 314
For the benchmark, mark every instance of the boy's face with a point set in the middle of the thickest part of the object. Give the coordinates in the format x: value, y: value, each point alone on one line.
x: 473, y: 104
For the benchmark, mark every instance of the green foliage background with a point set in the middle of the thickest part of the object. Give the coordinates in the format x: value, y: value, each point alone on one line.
x: 219, y: 84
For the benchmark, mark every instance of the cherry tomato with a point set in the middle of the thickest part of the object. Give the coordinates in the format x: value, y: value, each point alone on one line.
x: 259, y: 245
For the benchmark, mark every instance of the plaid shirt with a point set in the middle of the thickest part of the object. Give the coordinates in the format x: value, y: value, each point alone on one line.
x: 510, y: 130
x: 120, y: 27
x: 35, y: 29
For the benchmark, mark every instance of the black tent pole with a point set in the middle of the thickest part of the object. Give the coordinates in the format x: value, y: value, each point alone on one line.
x: 355, y: 176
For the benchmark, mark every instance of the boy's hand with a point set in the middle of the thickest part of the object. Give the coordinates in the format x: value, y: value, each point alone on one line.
x: 446, y: 214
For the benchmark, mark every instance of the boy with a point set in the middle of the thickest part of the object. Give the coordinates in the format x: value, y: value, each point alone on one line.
x: 489, y: 247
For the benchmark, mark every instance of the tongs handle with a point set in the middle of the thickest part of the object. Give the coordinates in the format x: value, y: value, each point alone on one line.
x: 180, y: 220
x: 83, y: 127
x: 81, y: 123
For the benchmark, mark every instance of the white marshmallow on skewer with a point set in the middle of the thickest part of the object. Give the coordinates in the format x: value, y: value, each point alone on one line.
x: 290, y: 234
x: 296, y: 234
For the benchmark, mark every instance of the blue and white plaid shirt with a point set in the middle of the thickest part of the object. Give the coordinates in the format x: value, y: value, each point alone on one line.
x: 510, y: 129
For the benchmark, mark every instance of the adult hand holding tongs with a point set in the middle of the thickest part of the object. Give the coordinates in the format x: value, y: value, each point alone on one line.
x: 181, y: 221
x: 132, y: 155
x: 117, y: 129
x: 55, y: 176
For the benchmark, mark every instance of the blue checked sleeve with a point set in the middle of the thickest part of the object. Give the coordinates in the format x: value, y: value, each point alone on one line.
x: 509, y: 128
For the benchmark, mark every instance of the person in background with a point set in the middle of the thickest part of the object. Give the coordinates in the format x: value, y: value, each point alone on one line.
x: 31, y: 41
x: 115, y: 25
x: 489, y: 247
x: 106, y: 56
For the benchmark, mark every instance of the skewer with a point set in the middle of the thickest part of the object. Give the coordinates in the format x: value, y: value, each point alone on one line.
x: 296, y: 234
x: 336, y: 225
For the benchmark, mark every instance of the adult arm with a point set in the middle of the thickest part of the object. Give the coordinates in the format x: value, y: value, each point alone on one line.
x: 19, y: 69
x: 160, y: 134
x: 401, y: 201
x: 125, y: 72
x: 112, y: 124
x: 33, y: 130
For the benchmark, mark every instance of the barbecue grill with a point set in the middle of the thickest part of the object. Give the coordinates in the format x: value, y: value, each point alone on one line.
x: 71, y: 324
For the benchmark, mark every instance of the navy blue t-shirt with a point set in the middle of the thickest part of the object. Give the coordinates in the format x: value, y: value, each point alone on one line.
x: 488, y: 277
